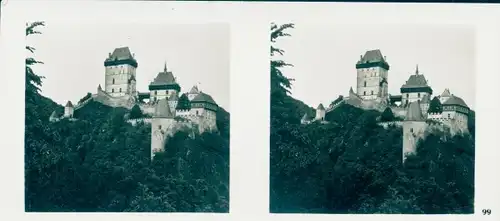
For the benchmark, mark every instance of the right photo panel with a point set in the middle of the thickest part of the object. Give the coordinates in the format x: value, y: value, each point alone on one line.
x: 369, y: 119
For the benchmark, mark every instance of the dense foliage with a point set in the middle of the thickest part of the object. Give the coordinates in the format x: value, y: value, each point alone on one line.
x: 387, y: 115
x: 135, y: 112
x: 353, y: 165
x: 101, y: 163
x: 183, y: 103
x: 435, y: 106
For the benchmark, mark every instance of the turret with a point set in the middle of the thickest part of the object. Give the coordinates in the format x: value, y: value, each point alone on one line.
x: 414, y: 126
x: 320, y: 112
x: 68, y: 110
x: 161, y: 126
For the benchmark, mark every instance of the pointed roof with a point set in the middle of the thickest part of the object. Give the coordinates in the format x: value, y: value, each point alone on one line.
x: 162, y: 109
x: 164, y: 78
x: 351, y: 90
x: 372, y: 56
x: 194, y: 90
x: 203, y: 98
x: 414, y: 113
x: 446, y: 93
x: 121, y: 53
x: 320, y: 107
x: 69, y: 104
x: 416, y: 80
x: 455, y: 101
x: 99, y: 87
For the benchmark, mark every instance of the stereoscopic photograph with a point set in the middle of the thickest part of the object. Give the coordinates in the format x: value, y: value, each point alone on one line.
x: 127, y: 117
x: 372, y: 119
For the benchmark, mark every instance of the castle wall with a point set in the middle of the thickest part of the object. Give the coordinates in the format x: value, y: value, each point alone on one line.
x: 68, y: 112
x: 412, y: 132
x: 399, y: 111
x: 136, y: 121
x: 412, y: 97
x: 368, y: 82
x: 155, y: 95
x: 116, y: 79
x: 125, y: 101
x: 320, y: 114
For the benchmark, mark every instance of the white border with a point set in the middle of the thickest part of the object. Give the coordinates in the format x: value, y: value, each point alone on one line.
x: 249, y: 98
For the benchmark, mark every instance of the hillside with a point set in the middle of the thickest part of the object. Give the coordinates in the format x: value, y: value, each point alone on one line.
x: 100, y: 163
x: 353, y: 165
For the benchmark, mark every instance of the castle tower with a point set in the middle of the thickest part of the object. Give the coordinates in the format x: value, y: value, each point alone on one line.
x: 205, y: 108
x: 163, y: 85
x: 456, y: 112
x: 372, y: 75
x: 68, y: 110
x: 161, y: 126
x: 414, y: 126
x: 320, y: 113
x: 132, y: 86
x: 415, y: 88
x: 120, y: 67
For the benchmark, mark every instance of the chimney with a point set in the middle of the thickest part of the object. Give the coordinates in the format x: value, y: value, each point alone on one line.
x: 109, y: 55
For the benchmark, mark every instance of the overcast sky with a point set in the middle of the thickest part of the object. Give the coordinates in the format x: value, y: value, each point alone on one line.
x: 324, y: 58
x: 74, y: 56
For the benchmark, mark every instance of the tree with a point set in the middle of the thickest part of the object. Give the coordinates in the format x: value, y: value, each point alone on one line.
x: 280, y: 84
x: 183, y: 103
x: 135, y: 112
x: 387, y: 115
x: 435, y: 106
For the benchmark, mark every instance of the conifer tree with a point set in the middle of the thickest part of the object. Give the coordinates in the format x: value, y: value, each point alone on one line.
x: 183, y: 103
x: 435, y: 106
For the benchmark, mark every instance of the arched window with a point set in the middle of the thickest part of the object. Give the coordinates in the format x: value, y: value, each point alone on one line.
x: 113, y: 81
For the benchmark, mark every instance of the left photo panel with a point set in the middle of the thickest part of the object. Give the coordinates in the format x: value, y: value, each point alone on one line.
x: 127, y: 117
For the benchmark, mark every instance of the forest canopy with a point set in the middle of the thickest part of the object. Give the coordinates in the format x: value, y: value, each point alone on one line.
x: 353, y: 165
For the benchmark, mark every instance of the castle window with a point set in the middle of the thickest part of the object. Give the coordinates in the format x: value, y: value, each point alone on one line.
x: 365, y: 83
x: 156, y: 92
x: 120, y: 90
x: 159, y: 127
x: 372, y: 92
x: 364, y: 92
x: 449, y: 116
x: 113, y: 90
x: 411, y: 130
x: 407, y: 95
x: 418, y: 95
x: 113, y: 81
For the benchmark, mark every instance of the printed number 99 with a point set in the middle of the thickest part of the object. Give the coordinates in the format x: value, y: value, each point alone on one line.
x: 486, y: 211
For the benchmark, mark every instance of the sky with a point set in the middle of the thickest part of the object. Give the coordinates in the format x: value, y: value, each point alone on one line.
x: 74, y: 54
x: 324, y: 58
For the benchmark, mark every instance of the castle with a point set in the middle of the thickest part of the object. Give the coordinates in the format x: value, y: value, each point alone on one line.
x: 412, y: 104
x: 168, y: 111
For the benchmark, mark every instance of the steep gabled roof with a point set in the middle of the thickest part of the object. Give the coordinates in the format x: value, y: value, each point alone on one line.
x: 122, y: 53
x: 69, y: 104
x: 416, y: 80
x: 173, y: 97
x: 203, y: 98
x: 446, y: 93
x: 372, y: 56
x: 164, y: 78
x: 194, y: 90
x: 414, y: 113
x: 162, y: 109
x: 455, y: 101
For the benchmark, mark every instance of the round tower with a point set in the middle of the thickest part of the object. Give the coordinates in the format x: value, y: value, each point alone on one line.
x: 414, y: 126
x: 161, y: 126
x: 320, y: 113
x: 68, y: 110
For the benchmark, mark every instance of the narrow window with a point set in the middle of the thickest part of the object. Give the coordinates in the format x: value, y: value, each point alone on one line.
x: 418, y: 95
x: 120, y: 90
x: 407, y: 95
x: 113, y: 81
x: 113, y: 90
x: 156, y: 92
x: 372, y: 92
x: 159, y: 127
x: 365, y: 83
x: 411, y: 130
x: 449, y: 116
x: 364, y: 92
